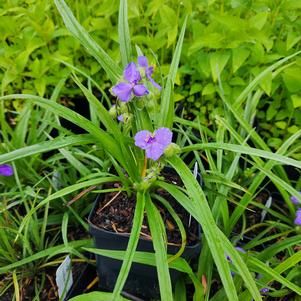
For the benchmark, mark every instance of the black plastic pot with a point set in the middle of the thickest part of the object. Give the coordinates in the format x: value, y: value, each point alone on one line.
x: 142, y: 280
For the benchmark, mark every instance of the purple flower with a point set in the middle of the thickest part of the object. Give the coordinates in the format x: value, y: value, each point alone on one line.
x: 126, y: 90
x: 120, y: 118
x: 239, y: 249
x: 264, y: 290
x: 149, y: 70
x: 155, y: 143
x: 295, y: 200
x: 297, y: 220
x: 6, y: 170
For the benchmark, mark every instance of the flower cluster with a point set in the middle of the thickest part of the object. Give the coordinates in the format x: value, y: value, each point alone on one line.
x: 295, y: 201
x: 6, y: 170
x: 132, y: 86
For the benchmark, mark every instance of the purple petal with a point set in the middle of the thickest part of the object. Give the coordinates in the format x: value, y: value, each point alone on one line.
x: 149, y: 71
x: 163, y: 136
x: 240, y: 249
x: 141, y: 139
x: 140, y: 90
x: 142, y: 61
x: 155, y: 151
x: 6, y: 170
x: 297, y: 220
x: 120, y: 118
x: 123, y: 91
x: 131, y: 73
x: 295, y: 200
x: 154, y: 83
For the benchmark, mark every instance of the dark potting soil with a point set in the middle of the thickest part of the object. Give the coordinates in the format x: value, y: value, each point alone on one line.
x: 49, y: 292
x: 27, y: 289
x: 118, y: 216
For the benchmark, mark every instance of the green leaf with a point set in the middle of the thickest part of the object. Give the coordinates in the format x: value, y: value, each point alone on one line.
x: 259, y: 20
x: 197, y: 206
x: 107, y: 63
x: 124, y: 33
x: 239, y: 56
x: 292, y: 79
x: 56, y: 143
x: 292, y: 39
x: 132, y: 245
x: 266, y: 83
x: 218, y: 61
x: 167, y: 103
x: 156, y: 226
x: 243, y: 95
x: 296, y: 99
x: 100, y: 296
x: 209, y: 89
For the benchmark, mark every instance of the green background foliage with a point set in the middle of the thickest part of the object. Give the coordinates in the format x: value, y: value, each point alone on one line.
x: 234, y: 40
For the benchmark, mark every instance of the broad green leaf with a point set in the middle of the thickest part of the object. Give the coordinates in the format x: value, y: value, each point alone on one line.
x: 259, y: 20
x: 296, y: 99
x: 239, y: 56
x: 292, y: 79
x: 218, y: 61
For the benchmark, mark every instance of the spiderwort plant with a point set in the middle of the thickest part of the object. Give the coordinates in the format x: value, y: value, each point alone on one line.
x: 137, y: 147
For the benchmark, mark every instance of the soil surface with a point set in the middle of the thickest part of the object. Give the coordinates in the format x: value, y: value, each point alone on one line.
x: 118, y: 215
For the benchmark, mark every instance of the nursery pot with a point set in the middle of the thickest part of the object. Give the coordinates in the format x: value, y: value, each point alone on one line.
x: 142, y: 280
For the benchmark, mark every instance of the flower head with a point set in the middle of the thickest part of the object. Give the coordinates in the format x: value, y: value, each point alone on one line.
x: 295, y: 200
x: 126, y: 90
x: 149, y: 70
x: 155, y: 143
x: 297, y: 220
x: 6, y: 170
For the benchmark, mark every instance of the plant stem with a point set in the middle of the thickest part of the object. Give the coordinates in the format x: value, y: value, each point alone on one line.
x: 144, y: 167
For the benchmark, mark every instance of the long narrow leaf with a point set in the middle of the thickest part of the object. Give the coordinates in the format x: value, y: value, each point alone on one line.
x: 132, y: 245
x: 108, y: 64
x: 124, y: 33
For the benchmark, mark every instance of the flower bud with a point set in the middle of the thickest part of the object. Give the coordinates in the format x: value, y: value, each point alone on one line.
x: 171, y: 150
x: 113, y: 111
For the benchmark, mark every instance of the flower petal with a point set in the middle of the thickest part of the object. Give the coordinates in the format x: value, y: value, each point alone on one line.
x: 141, y: 139
x: 155, y: 151
x: 6, y: 170
x: 123, y: 91
x: 149, y: 71
x: 154, y: 83
x: 140, y: 90
x: 295, y: 200
x: 163, y: 136
x: 131, y: 73
x: 142, y: 61
x: 298, y: 217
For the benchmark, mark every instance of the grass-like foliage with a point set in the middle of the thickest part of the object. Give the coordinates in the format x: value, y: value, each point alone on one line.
x: 133, y: 138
